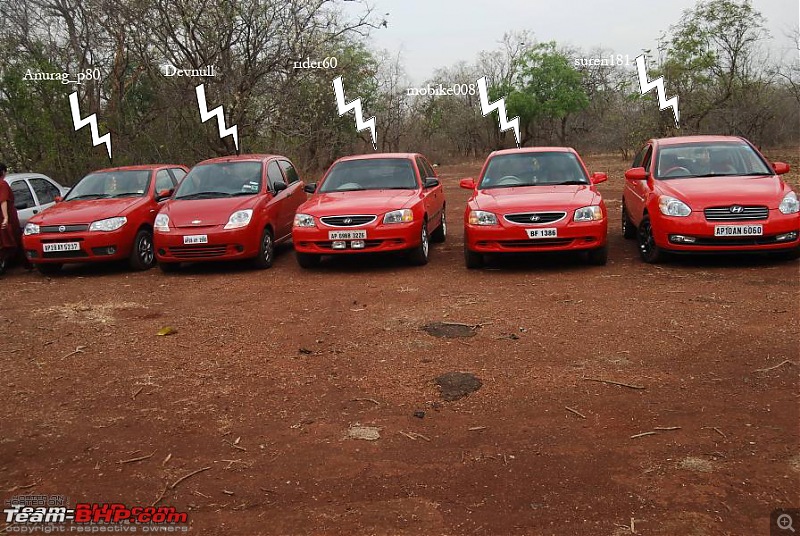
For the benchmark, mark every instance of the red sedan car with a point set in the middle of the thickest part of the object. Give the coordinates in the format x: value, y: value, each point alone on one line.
x: 372, y: 203
x: 234, y: 207
x: 107, y: 216
x: 708, y: 194
x: 535, y: 199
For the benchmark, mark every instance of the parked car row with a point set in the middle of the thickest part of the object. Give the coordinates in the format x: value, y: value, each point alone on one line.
x: 694, y: 194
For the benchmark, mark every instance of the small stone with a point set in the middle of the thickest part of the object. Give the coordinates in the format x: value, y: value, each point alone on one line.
x: 419, y: 414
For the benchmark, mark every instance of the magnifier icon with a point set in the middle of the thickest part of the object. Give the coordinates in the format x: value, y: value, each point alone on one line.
x: 785, y: 522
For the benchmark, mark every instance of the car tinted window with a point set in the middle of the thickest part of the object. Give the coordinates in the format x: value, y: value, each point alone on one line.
x: 46, y: 192
x: 430, y: 172
x: 423, y: 171
x: 163, y: 181
x: 274, y: 174
x: 370, y: 174
x: 637, y: 160
x: 533, y: 169
x: 105, y: 184
x: 712, y: 159
x: 289, y: 171
x: 647, y: 157
x: 22, y: 195
x: 221, y: 179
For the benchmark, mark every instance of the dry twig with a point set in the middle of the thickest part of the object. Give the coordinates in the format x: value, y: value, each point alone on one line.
x: 576, y: 412
x: 140, y: 458
x: 181, y: 479
x: 612, y: 382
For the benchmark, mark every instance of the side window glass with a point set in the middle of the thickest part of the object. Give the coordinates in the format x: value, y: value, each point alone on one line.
x: 647, y: 159
x: 430, y: 172
x: 23, y: 198
x: 178, y: 174
x: 274, y: 174
x: 423, y: 173
x: 289, y: 171
x: 637, y: 160
x: 45, y: 191
x: 163, y: 181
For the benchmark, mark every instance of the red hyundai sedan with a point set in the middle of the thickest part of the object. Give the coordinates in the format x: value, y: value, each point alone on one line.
x: 535, y: 199
x: 234, y: 207
x: 372, y: 203
x: 107, y: 216
x: 708, y: 194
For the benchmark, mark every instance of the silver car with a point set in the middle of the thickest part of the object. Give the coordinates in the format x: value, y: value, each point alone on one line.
x: 33, y: 192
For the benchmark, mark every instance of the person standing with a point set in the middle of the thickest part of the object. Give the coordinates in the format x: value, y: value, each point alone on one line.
x: 10, y: 232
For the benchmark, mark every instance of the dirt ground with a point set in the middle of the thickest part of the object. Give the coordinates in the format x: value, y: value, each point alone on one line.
x: 268, y: 371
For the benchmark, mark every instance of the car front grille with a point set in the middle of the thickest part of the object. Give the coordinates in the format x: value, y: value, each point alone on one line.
x: 733, y: 241
x: 67, y: 228
x: 348, y: 221
x: 535, y: 218
x: 736, y: 213
x: 198, y: 251
x: 368, y: 244
x: 528, y: 244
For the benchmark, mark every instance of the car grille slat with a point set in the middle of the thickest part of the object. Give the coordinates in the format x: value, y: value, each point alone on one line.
x: 198, y: 251
x: 348, y: 221
x: 67, y: 228
x: 728, y: 214
x: 535, y: 218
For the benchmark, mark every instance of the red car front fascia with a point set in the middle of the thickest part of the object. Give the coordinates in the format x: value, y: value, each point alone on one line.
x: 223, y: 244
x: 94, y: 245
x: 380, y: 236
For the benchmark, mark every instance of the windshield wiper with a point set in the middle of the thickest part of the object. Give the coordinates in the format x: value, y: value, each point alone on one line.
x: 755, y: 174
x: 235, y: 194
x: 566, y: 183
x: 126, y: 194
x: 89, y: 196
x: 200, y: 195
x: 397, y: 188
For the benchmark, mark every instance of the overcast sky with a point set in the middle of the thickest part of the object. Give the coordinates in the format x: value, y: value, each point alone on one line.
x: 438, y: 33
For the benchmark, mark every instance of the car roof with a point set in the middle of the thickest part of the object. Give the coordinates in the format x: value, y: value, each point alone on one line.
x: 240, y: 157
x: 24, y: 175
x: 405, y: 156
x: 696, y: 139
x: 136, y: 168
x: 534, y: 150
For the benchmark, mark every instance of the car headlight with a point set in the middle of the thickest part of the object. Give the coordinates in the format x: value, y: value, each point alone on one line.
x: 109, y: 224
x: 238, y: 219
x: 590, y: 213
x: 399, y: 216
x: 304, y: 220
x: 673, y: 207
x: 162, y: 223
x: 789, y: 205
x: 31, y: 228
x: 481, y: 217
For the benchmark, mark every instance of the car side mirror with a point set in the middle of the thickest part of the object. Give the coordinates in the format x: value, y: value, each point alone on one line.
x: 780, y: 167
x: 164, y: 194
x: 467, y: 184
x: 58, y: 199
x: 310, y: 188
x: 598, y: 177
x: 279, y: 187
x: 430, y: 182
x: 636, y: 174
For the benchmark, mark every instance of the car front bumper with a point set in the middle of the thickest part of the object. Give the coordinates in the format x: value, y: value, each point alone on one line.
x: 220, y: 244
x: 92, y: 246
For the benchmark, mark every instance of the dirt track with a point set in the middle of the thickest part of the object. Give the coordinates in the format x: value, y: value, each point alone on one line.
x: 268, y: 370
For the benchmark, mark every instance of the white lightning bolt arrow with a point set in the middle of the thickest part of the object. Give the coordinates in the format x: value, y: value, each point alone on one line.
x: 500, y: 106
x: 658, y: 84
x: 91, y: 121
x: 356, y: 107
x: 205, y: 115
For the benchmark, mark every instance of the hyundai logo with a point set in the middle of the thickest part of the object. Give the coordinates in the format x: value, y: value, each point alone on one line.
x: 62, y: 228
x: 535, y: 217
x: 737, y: 209
x: 347, y: 221
x: 195, y: 222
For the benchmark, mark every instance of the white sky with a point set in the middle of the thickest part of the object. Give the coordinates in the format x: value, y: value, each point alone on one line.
x: 439, y: 33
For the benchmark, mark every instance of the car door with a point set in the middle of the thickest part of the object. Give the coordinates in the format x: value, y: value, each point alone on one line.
x: 281, y: 207
x: 636, y: 191
x: 45, y: 191
x: 24, y: 201
x: 433, y: 198
x: 297, y: 195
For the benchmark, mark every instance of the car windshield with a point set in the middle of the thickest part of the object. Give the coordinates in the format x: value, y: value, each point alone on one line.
x: 717, y: 159
x: 223, y: 179
x: 372, y: 174
x: 550, y: 168
x: 108, y: 184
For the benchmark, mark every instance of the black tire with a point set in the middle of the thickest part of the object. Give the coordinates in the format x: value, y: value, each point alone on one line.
x: 308, y: 260
x: 169, y: 267
x: 597, y: 257
x: 648, y: 249
x: 628, y: 228
x: 266, y: 251
x: 472, y: 259
x: 143, y: 253
x: 49, y: 268
x: 440, y: 234
x: 419, y: 255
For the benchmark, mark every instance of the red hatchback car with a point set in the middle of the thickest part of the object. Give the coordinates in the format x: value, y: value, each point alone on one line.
x: 234, y: 207
x: 708, y: 194
x: 107, y: 216
x: 372, y: 203
x: 535, y: 199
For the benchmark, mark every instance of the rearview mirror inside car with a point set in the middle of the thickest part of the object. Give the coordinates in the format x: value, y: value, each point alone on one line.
x: 467, y: 184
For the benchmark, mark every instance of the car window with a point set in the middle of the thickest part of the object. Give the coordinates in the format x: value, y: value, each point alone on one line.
x: 637, y: 160
x: 45, y: 191
x: 289, y: 171
x: 370, y: 174
x: 540, y: 168
x: 163, y: 181
x: 22, y: 195
x: 423, y: 173
x: 274, y: 174
x: 647, y: 157
x: 177, y: 174
x: 429, y: 171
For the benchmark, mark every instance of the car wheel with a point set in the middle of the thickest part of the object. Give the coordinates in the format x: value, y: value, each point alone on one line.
x: 648, y: 249
x: 419, y: 255
x: 169, y: 267
x: 143, y: 255
x: 597, y: 257
x: 440, y: 234
x: 628, y: 228
x: 308, y: 260
x: 49, y: 268
x: 472, y: 259
x: 266, y: 251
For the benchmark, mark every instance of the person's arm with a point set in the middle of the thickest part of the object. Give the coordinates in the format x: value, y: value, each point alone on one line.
x: 4, y: 209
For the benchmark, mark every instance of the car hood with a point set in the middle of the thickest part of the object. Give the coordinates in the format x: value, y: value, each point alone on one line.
x: 706, y: 192
x: 86, y: 211
x: 184, y: 212
x: 526, y: 198
x: 361, y: 202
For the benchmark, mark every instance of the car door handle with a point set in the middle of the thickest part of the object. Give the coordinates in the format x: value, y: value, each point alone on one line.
x: 35, y: 211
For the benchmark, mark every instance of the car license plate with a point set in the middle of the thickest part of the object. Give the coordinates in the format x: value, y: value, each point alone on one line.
x: 195, y: 239
x: 550, y: 232
x: 61, y: 246
x: 738, y: 230
x: 347, y: 235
